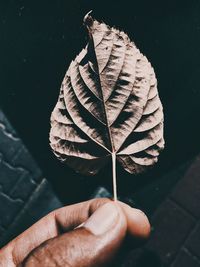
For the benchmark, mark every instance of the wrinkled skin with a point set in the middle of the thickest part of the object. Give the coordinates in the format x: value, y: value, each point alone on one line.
x: 85, y: 234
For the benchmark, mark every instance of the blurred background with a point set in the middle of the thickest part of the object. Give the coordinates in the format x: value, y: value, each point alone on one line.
x: 38, y: 40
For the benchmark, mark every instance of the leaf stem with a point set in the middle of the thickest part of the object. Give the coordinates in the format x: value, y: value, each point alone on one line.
x: 114, y: 176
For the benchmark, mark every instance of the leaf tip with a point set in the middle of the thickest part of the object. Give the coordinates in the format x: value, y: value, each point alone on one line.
x: 88, y: 20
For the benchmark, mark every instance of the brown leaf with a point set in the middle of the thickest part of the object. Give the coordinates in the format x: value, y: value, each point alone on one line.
x: 108, y: 103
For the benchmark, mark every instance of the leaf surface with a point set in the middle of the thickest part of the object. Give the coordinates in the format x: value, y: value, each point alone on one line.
x: 108, y: 103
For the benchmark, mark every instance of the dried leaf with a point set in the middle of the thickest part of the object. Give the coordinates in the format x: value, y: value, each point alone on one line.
x: 108, y: 106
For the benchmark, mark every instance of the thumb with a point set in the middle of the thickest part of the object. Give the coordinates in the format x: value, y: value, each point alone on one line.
x: 94, y: 243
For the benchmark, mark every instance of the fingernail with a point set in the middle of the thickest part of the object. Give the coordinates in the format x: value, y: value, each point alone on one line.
x: 103, y: 219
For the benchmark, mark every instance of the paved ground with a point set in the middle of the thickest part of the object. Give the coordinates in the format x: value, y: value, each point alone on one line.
x: 25, y: 195
x: 175, y: 239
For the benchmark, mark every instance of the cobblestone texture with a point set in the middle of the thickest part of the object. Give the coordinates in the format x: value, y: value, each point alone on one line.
x: 21, y: 185
x: 175, y: 238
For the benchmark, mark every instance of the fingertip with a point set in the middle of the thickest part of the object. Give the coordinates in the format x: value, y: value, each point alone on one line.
x: 138, y: 224
x: 105, y: 218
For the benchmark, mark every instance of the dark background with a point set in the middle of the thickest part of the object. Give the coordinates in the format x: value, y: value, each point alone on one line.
x: 38, y: 40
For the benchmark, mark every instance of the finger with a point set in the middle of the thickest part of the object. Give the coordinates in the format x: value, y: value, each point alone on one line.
x: 50, y: 226
x: 93, y: 244
x: 137, y: 222
x: 67, y: 219
x: 63, y: 220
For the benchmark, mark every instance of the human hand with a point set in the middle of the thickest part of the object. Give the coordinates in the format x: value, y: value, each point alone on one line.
x: 85, y: 234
